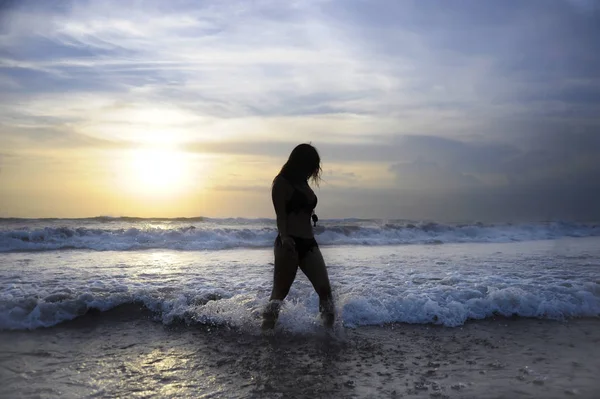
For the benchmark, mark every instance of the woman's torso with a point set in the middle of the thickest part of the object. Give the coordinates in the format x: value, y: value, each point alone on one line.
x: 300, y: 203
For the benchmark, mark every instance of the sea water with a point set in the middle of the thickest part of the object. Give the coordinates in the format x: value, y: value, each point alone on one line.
x: 203, y: 271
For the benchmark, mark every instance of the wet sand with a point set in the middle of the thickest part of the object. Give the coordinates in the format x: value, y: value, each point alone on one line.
x: 127, y: 354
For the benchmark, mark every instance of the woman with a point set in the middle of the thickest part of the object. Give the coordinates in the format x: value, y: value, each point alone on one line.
x: 295, y: 245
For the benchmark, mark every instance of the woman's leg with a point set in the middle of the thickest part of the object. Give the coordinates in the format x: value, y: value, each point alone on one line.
x: 286, y: 266
x: 313, y: 265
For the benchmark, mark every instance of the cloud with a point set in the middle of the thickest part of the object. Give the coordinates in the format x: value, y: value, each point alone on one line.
x: 32, y: 137
x: 585, y: 5
x: 432, y: 164
x: 425, y: 175
x: 428, y: 94
x: 551, y: 158
x: 423, y: 64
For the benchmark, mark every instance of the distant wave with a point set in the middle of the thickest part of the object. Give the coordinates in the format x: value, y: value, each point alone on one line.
x: 127, y: 234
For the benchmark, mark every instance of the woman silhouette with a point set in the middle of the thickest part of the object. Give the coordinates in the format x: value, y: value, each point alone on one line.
x: 295, y: 246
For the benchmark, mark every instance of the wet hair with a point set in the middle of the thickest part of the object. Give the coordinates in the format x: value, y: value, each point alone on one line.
x: 304, y: 163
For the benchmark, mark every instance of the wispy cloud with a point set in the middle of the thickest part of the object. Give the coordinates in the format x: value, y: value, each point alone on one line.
x: 399, y: 68
x: 428, y: 93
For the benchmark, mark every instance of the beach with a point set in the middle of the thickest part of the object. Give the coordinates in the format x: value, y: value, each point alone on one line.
x: 124, y: 353
x: 111, y: 309
x: 169, y: 170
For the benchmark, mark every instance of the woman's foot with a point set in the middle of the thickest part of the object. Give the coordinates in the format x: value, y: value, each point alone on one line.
x: 328, y: 319
x: 270, y: 315
x: 327, y: 312
x: 268, y: 324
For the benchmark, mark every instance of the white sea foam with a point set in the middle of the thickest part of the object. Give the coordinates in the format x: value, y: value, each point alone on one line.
x: 445, y: 285
x: 449, y: 308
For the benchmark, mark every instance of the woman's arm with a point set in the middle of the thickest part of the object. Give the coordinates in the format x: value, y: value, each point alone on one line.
x: 279, y: 195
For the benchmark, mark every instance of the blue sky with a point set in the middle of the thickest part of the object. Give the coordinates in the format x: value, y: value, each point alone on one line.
x: 421, y: 109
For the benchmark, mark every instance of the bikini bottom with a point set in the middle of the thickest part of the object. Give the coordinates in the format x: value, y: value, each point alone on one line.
x: 303, y: 245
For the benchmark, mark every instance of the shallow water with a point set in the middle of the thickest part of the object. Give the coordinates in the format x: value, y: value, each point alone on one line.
x: 168, y: 323
x: 441, y: 284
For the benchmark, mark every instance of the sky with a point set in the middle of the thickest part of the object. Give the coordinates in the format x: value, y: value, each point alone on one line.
x: 462, y: 110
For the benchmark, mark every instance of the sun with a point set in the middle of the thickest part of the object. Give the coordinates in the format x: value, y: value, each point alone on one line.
x: 157, y: 172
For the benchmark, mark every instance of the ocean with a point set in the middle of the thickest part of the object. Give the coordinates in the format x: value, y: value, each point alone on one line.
x: 85, y: 302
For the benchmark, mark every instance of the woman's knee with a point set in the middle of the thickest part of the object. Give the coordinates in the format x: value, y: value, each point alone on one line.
x: 280, y: 290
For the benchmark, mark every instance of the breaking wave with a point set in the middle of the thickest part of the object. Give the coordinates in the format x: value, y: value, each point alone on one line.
x: 354, y: 309
x: 122, y: 234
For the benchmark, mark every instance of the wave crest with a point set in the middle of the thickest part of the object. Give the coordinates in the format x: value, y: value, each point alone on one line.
x: 217, y: 307
x: 213, y: 234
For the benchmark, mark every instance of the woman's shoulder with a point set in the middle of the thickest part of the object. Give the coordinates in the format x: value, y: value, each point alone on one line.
x: 281, y: 183
x: 281, y: 179
x: 282, y: 188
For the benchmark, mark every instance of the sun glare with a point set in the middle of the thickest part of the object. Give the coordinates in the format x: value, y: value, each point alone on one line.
x: 158, y: 172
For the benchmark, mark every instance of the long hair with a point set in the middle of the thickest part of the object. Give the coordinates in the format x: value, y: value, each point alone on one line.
x: 304, y: 163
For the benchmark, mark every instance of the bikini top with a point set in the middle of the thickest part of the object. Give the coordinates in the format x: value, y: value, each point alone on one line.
x: 299, y: 202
